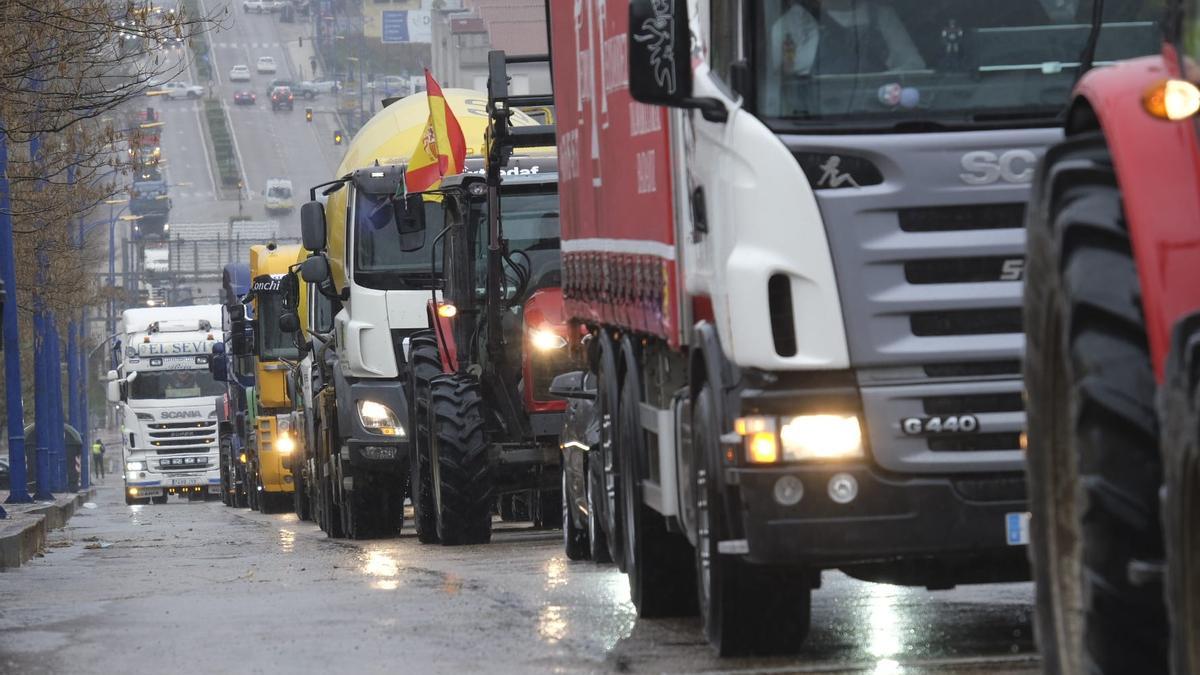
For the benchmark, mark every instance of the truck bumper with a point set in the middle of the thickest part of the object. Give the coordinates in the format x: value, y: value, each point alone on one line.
x: 371, y: 451
x: 891, y: 518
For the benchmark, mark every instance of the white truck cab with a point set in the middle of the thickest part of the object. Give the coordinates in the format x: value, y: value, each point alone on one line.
x: 167, y: 402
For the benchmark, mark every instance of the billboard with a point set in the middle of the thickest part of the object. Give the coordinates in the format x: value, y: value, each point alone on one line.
x: 405, y: 26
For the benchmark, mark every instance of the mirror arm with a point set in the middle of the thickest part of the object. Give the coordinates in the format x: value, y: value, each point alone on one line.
x: 712, y: 109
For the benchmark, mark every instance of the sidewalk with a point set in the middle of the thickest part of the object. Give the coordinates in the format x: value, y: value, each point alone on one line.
x: 23, y: 533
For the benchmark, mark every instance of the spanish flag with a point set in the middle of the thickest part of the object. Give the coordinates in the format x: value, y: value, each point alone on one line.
x: 441, y: 149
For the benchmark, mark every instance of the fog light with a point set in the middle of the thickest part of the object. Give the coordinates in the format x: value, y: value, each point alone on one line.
x: 379, y: 451
x: 789, y: 490
x: 843, y: 488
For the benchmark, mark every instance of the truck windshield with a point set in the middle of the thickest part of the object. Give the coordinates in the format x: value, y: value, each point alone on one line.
x: 273, y: 344
x: 167, y: 384
x: 952, y: 63
x: 378, y: 260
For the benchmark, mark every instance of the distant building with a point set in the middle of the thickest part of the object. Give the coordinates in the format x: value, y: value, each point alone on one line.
x: 463, y: 32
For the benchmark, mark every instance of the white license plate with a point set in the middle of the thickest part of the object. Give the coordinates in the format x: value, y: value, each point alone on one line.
x: 1016, y: 528
x: 187, y: 482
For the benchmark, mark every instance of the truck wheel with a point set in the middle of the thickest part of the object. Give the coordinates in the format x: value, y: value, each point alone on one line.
x: 659, y: 563
x: 300, y: 503
x: 575, y: 539
x: 598, y: 548
x: 331, y: 517
x: 462, y: 477
x: 1181, y: 498
x: 1093, y: 464
x: 745, y: 609
x: 608, y: 467
x: 424, y: 365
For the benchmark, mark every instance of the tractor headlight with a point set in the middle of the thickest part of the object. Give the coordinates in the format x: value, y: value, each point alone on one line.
x: 545, y: 340
x: 286, y: 444
x: 379, y: 418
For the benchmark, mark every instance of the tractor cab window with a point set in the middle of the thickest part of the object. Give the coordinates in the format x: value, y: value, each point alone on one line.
x: 531, y: 227
x: 881, y: 65
x: 273, y: 344
x: 379, y: 260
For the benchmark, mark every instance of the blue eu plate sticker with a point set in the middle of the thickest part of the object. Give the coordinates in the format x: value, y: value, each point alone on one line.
x: 1016, y: 528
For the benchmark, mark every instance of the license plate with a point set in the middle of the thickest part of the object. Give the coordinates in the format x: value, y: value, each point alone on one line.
x: 1016, y: 528
x: 187, y: 482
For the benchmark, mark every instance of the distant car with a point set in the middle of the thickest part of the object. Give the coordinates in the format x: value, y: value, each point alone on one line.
x: 260, y: 6
x: 244, y: 97
x: 265, y: 64
x: 278, y: 195
x: 181, y: 90
x: 280, y: 82
x: 282, y: 97
x: 309, y: 89
x: 391, y: 85
x: 239, y: 73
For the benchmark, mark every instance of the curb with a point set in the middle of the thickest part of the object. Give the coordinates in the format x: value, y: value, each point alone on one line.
x: 23, y: 534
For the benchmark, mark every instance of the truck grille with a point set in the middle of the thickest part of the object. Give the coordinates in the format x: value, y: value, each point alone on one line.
x: 929, y: 266
x: 182, y: 437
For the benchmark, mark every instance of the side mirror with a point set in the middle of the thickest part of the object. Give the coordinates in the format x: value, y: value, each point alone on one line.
x: 111, y: 376
x: 218, y: 365
x: 660, y: 45
x: 239, y: 340
x: 572, y: 385
x: 410, y: 222
x: 289, y: 323
x: 312, y: 226
x: 660, y: 58
x: 112, y: 391
x: 237, y: 313
x: 315, y: 269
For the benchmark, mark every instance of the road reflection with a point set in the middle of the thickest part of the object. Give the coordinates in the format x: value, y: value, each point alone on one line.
x: 383, y: 568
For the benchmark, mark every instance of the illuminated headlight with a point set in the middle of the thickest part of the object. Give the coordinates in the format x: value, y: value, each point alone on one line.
x: 286, y: 444
x: 135, y: 466
x: 544, y: 340
x: 379, y: 418
x: 820, y: 437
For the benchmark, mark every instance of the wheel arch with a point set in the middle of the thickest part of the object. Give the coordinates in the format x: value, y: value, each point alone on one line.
x: 1157, y: 164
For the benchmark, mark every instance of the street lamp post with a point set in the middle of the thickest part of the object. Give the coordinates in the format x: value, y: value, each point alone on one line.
x: 18, y: 484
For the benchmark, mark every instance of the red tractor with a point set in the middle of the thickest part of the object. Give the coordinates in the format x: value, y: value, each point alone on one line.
x: 1112, y: 370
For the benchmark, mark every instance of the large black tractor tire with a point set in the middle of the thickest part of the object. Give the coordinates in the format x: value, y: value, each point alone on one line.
x: 745, y: 609
x: 241, y: 493
x: 660, y: 564
x: 1093, y: 465
x: 1180, y: 410
x: 462, y: 473
x: 423, y: 365
x: 608, y: 468
x: 575, y: 539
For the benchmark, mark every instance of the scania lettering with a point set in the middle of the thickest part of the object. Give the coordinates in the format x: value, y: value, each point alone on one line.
x: 801, y: 282
x: 167, y: 402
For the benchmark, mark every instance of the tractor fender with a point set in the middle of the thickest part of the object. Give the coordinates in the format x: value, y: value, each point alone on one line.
x: 1157, y: 164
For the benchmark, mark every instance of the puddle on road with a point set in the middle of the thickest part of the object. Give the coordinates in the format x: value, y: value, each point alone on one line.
x: 383, y: 568
x: 552, y: 623
x: 287, y: 541
x: 556, y: 573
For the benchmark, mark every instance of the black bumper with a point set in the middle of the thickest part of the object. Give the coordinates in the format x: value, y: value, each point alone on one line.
x: 891, y: 518
x: 369, y: 450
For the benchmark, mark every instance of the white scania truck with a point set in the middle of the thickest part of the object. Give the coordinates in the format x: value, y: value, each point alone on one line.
x: 167, y: 402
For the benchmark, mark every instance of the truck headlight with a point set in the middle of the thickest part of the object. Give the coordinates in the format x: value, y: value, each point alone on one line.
x: 286, y: 444
x: 821, y: 437
x: 135, y: 466
x: 379, y: 418
x: 803, y: 438
x: 545, y: 340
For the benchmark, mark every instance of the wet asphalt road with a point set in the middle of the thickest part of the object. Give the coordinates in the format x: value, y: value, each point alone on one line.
x: 201, y: 587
